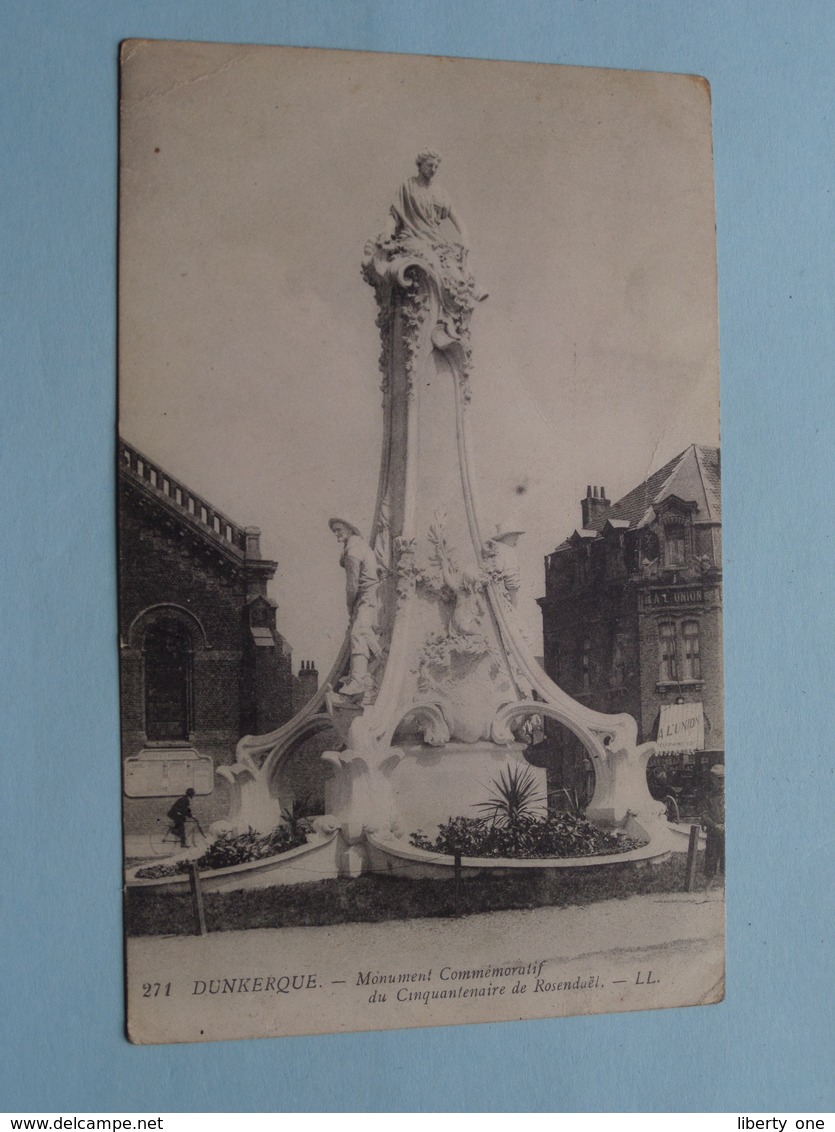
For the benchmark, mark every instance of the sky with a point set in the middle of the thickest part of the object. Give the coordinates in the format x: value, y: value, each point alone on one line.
x: 252, y: 178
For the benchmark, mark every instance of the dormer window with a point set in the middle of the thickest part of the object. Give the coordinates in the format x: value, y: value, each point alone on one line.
x: 258, y: 615
x: 674, y: 552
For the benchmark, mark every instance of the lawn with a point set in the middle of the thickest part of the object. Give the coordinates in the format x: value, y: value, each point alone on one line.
x: 374, y: 897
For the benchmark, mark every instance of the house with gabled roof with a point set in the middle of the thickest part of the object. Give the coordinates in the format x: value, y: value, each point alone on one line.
x: 632, y: 616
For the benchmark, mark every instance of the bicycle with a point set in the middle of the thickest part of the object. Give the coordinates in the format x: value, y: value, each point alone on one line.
x: 165, y: 840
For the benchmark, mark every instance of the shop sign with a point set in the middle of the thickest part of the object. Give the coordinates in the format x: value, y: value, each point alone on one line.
x: 681, y: 727
x: 665, y: 599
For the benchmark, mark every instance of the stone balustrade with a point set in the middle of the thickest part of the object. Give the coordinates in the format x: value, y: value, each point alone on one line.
x: 187, y: 501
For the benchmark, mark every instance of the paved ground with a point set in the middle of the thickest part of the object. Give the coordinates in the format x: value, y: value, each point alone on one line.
x: 642, y: 952
x: 143, y: 847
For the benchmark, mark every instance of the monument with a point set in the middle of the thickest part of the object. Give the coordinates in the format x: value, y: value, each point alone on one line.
x: 435, y: 689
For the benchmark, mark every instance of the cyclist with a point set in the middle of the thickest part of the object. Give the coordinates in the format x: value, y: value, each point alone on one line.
x: 180, y: 813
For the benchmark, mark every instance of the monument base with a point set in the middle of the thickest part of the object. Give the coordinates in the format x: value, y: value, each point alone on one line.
x: 432, y: 784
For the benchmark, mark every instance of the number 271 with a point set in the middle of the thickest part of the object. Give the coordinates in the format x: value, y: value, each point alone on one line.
x: 154, y: 990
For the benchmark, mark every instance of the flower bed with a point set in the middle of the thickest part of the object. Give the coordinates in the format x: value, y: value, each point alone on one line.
x: 230, y: 849
x: 526, y: 837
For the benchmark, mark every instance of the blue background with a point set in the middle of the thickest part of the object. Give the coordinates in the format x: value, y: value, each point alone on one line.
x: 768, y: 1046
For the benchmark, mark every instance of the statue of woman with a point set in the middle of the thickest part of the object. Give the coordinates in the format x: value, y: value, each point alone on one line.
x: 420, y: 209
x: 428, y: 250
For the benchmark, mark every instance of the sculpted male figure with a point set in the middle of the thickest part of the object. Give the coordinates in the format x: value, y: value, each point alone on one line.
x: 362, y: 582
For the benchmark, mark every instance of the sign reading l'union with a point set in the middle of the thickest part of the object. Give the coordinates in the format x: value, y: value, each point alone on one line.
x: 681, y: 727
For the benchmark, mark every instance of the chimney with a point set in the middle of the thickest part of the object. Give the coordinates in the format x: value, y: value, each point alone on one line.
x: 253, y: 542
x: 307, y: 683
x: 594, y: 507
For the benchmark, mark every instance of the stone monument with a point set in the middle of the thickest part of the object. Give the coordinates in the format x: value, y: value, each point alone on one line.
x: 435, y: 687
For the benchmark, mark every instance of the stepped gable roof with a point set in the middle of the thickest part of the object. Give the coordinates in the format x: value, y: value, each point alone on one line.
x: 693, y: 476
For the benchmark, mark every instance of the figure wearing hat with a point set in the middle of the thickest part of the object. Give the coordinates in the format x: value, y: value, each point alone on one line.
x: 180, y: 813
x: 501, y: 560
x: 362, y: 582
x: 713, y: 823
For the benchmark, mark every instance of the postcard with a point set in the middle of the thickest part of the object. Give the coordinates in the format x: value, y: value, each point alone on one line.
x: 420, y: 542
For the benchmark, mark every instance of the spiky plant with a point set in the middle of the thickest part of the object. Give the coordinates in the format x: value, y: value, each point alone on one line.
x: 515, y: 797
x: 297, y: 814
x: 568, y: 802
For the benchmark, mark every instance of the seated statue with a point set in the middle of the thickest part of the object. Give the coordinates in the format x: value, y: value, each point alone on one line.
x: 428, y: 239
x: 421, y: 208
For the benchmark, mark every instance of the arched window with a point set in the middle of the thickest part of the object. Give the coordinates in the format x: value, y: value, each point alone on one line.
x: 168, y: 681
x: 674, y: 545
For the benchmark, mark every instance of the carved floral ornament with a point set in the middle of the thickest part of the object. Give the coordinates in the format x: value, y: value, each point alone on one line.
x: 422, y: 281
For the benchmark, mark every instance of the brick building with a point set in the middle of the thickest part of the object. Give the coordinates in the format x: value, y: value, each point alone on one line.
x: 632, y: 619
x: 202, y: 662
